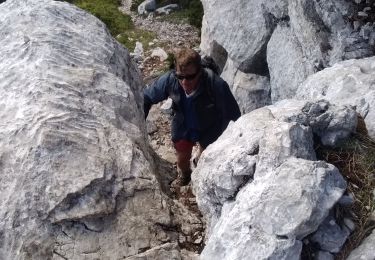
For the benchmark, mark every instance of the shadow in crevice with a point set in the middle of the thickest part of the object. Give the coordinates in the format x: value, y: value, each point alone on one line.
x: 165, y: 173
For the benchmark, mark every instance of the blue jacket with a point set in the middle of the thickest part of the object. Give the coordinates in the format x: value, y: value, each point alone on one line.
x: 213, y: 106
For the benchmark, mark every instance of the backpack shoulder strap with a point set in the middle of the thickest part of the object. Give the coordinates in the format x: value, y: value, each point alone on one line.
x: 211, y: 81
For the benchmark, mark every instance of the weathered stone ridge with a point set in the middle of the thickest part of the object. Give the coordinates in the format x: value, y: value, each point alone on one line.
x: 76, y: 176
x: 259, y: 185
x: 283, y: 41
x: 347, y: 83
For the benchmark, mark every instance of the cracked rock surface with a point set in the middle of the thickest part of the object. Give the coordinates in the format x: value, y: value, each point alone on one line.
x: 259, y: 185
x: 77, y: 177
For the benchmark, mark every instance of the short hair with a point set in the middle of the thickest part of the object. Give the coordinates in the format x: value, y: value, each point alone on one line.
x: 186, y: 56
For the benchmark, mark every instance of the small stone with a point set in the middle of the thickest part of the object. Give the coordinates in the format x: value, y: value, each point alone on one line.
x: 372, y: 216
x: 164, y: 204
x: 181, y: 239
x: 349, y: 224
x: 362, y: 14
x: 192, y: 201
x: 166, y: 107
x: 198, y: 240
x: 346, y: 200
x: 356, y: 25
x: 366, y: 9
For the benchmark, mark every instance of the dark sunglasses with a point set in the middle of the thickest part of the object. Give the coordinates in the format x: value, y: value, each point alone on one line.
x: 187, y: 77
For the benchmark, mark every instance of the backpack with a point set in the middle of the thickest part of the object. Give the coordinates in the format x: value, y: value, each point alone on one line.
x: 208, y: 62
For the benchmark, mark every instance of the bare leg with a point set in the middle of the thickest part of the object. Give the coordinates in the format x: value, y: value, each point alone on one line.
x: 183, y: 164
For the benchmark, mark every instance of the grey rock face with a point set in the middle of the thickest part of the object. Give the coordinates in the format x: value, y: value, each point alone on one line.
x: 346, y: 83
x: 250, y: 90
x: 219, y: 176
x: 366, y: 250
x: 322, y: 255
x: 76, y: 177
x: 209, y: 46
x: 285, y: 39
x: 331, y: 123
x: 167, y: 9
x: 271, y: 213
x: 146, y: 7
x: 253, y: 190
x: 317, y: 36
x: 243, y: 35
x: 288, y: 65
x: 330, y: 236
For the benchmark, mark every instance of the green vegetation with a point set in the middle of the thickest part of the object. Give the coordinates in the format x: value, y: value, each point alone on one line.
x: 130, y: 37
x: 119, y: 24
x: 191, y: 12
x: 356, y: 161
x: 107, y: 11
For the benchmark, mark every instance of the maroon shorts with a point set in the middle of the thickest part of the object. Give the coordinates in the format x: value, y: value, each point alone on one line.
x: 184, y: 145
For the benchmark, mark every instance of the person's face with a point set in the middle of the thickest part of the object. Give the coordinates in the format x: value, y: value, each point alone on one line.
x: 188, y: 76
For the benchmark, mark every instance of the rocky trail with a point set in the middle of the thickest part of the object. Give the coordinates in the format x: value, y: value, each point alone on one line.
x: 168, y: 37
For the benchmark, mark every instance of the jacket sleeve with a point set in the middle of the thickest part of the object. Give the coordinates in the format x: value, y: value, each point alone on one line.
x: 158, y: 91
x: 226, y: 104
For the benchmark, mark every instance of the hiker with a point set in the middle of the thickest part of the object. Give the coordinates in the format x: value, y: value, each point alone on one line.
x: 203, y: 105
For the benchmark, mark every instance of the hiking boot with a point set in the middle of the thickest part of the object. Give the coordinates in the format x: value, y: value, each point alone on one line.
x: 183, y: 178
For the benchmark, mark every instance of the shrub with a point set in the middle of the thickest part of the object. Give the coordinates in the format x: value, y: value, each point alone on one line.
x: 107, y: 11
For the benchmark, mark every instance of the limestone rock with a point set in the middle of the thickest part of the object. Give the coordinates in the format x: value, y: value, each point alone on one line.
x: 159, y: 52
x: 250, y: 90
x: 288, y: 65
x: 366, y: 250
x: 286, y: 39
x: 243, y: 35
x: 77, y: 179
x: 330, y: 236
x: 210, y: 47
x: 273, y: 213
x: 322, y: 255
x: 167, y: 9
x: 146, y: 6
x: 346, y: 83
x: 260, y: 142
x: 259, y: 186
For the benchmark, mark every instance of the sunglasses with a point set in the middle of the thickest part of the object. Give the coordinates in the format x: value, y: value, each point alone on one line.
x: 187, y: 77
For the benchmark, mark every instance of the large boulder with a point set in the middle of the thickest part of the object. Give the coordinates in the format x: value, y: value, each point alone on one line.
x: 251, y: 91
x: 146, y: 7
x: 259, y: 186
x: 76, y: 176
x: 243, y: 34
x: 271, y: 215
x: 287, y: 40
x: 317, y: 36
x: 287, y: 64
x: 347, y: 83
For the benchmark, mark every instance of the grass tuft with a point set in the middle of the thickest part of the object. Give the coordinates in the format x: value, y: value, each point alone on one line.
x: 130, y: 37
x: 356, y: 161
x: 107, y: 11
x: 120, y: 25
